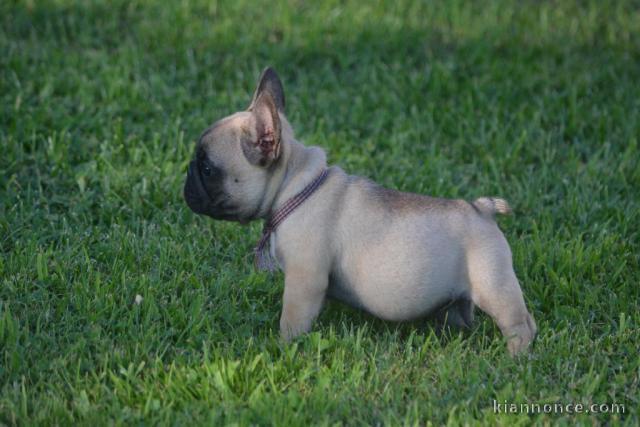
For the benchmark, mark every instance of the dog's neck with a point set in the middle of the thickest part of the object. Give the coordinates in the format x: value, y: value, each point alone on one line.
x: 299, y: 165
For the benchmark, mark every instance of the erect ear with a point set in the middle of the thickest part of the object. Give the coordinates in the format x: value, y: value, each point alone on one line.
x: 262, y: 148
x: 269, y: 82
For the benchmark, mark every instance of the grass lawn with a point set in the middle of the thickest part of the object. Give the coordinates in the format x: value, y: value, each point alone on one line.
x: 101, y: 103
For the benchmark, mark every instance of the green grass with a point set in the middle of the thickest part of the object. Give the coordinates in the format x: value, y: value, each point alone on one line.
x: 100, y: 105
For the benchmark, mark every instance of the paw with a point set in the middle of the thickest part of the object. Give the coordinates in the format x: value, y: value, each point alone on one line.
x: 289, y: 331
x: 521, y: 336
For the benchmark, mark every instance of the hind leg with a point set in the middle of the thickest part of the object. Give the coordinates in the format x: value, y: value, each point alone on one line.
x: 495, y: 289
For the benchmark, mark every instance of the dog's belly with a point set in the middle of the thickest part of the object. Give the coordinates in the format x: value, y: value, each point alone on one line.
x: 400, y: 282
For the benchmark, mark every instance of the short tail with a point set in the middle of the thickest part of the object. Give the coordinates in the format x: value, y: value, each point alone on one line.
x: 491, y: 206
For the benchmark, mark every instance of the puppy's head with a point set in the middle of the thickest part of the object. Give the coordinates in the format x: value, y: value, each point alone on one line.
x: 228, y: 177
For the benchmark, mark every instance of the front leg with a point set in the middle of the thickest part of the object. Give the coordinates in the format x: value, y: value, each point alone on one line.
x: 304, y: 293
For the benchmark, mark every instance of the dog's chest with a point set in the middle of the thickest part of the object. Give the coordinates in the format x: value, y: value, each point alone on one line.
x: 273, y: 253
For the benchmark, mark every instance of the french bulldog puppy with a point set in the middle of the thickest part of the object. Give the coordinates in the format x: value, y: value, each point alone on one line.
x: 399, y: 256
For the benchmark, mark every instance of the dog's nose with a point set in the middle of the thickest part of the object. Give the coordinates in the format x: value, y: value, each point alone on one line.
x: 191, y: 167
x: 189, y: 191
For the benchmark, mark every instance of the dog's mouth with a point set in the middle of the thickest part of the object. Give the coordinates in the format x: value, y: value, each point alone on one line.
x: 213, y: 202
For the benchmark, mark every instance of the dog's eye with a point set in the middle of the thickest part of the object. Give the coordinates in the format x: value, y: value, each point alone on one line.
x: 205, y: 168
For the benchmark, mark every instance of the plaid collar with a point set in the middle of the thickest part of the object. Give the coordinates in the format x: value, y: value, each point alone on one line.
x: 263, y: 259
